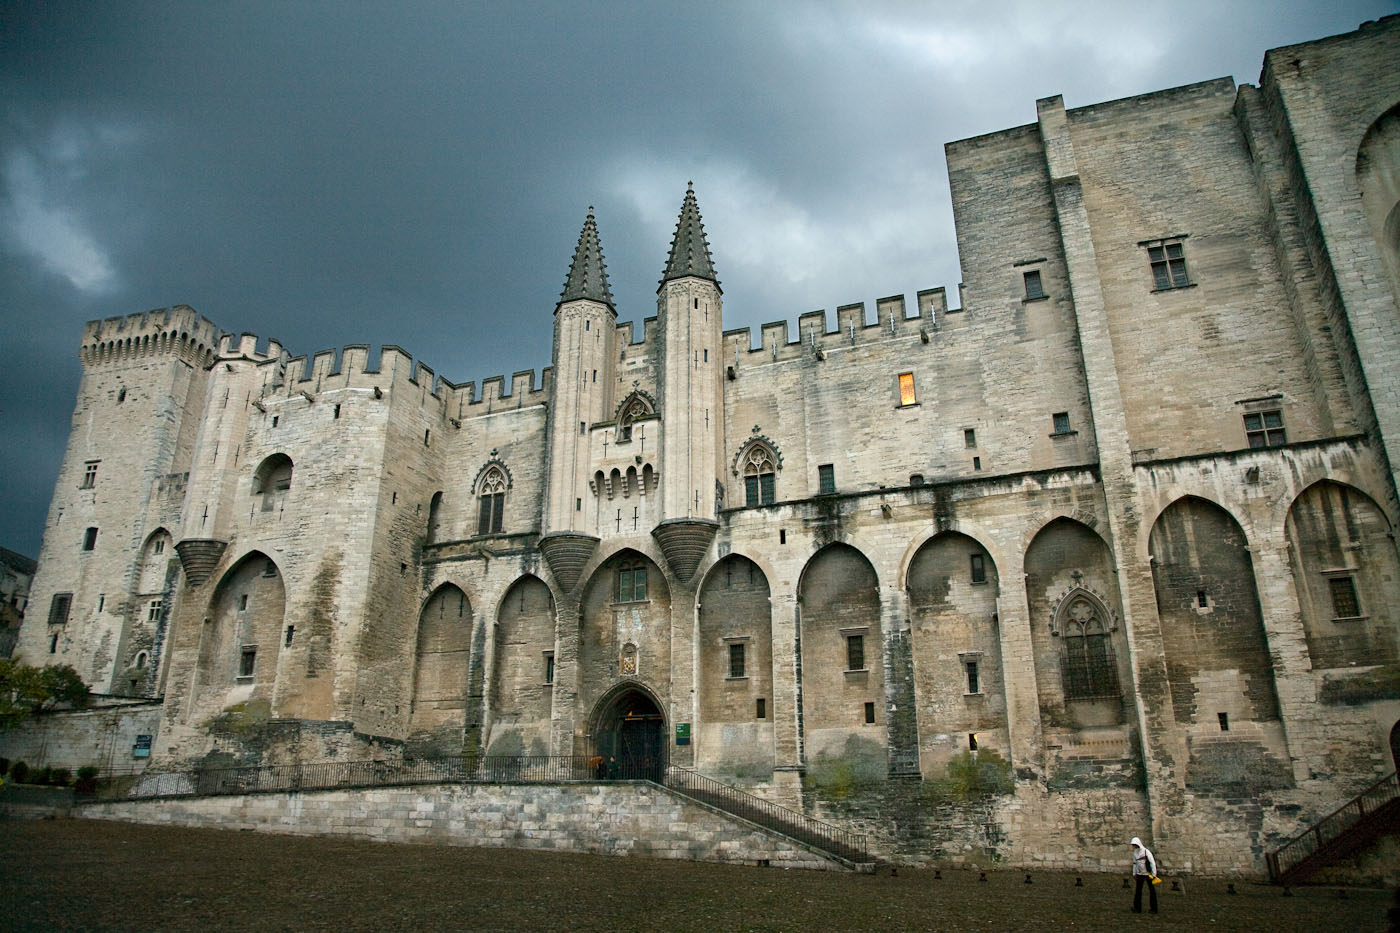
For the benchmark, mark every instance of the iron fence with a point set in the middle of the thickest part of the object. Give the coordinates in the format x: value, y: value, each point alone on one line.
x: 528, y: 769
x: 329, y: 775
x: 825, y: 836
x: 1318, y: 837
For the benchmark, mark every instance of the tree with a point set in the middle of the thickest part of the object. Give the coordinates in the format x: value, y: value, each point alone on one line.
x: 25, y: 690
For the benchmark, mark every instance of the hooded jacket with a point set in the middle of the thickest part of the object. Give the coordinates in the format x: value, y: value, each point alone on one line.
x: 1143, y: 862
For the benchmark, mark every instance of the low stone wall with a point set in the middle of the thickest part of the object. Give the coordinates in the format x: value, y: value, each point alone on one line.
x: 606, y: 819
x: 100, y: 736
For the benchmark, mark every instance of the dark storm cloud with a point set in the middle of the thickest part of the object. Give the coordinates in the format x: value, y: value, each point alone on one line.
x: 417, y: 174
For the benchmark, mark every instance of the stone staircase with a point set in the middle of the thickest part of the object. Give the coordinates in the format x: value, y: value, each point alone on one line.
x: 1351, y: 827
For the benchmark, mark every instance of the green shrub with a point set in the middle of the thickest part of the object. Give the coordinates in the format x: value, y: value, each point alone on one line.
x: 87, y: 780
x: 19, y: 771
x: 60, y: 777
x: 972, y: 776
x: 41, y: 776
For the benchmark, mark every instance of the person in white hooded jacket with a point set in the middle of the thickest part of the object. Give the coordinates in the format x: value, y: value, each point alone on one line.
x: 1144, y: 870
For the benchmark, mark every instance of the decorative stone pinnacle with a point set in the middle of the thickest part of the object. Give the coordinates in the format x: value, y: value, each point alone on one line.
x: 588, y: 273
x: 690, y: 251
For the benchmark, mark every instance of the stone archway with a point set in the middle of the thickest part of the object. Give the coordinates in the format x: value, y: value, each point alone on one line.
x: 629, y: 733
x: 1395, y: 746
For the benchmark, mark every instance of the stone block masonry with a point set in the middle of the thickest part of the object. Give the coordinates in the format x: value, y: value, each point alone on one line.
x: 628, y: 818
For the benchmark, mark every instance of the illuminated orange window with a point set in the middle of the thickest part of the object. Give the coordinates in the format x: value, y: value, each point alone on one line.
x: 906, y: 389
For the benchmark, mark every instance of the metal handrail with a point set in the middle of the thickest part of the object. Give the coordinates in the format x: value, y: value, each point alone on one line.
x: 1316, y: 837
x: 825, y: 836
x: 491, y: 769
x: 326, y: 775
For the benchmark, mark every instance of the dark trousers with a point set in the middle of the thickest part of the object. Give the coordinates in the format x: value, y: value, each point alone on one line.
x: 1151, y: 892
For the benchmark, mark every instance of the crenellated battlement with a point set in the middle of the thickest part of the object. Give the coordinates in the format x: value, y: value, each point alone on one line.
x: 852, y: 327
x: 355, y: 366
x: 179, y: 330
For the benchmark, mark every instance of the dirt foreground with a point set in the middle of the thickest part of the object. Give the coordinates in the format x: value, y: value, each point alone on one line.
x: 90, y: 875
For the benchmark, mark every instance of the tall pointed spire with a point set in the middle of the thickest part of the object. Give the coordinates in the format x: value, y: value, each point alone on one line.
x: 588, y: 274
x: 690, y: 252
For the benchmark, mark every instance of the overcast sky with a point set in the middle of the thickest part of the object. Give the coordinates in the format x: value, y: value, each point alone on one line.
x: 417, y: 173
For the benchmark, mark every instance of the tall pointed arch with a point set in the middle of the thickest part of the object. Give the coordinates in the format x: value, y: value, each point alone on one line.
x: 843, y: 670
x: 522, y: 670
x: 442, y: 653
x: 735, y: 655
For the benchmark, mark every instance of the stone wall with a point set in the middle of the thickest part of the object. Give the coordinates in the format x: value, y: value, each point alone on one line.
x: 74, y: 739
x: 603, y: 819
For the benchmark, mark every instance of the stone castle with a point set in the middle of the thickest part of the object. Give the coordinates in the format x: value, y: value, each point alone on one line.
x: 1121, y: 524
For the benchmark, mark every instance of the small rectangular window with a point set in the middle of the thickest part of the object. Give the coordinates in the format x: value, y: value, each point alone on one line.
x: 153, y: 610
x: 1201, y: 599
x: 582, y: 427
x: 906, y: 389
x: 549, y: 667
x: 972, y: 741
x: 275, y: 419
x: 1224, y: 720
x: 869, y: 713
x: 826, y: 479
x: 1168, y: 262
x: 158, y: 546
x: 969, y: 437
x: 578, y: 505
x: 291, y: 631
x: 90, y: 474
x: 632, y: 584
x: 337, y: 412
x: 973, y: 684
x: 1265, y: 429
x: 977, y: 463
x: 53, y: 644
x: 1033, y: 287
x: 1061, y: 422
x: 243, y: 603
x: 1344, y: 602
x: 59, y: 607
x: 101, y: 601
x: 89, y: 539
x: 247, y: 660
x: 427, y: 433
x: 760, y: 709
x: 979, y: 570
x: 855, y: 652
x: 736, y: 659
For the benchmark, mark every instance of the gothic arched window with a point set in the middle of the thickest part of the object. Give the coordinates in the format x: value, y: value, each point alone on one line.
x: 492, y: 496
x: 635, y: 408
x: 759, y: 474
x: 1090, y: 671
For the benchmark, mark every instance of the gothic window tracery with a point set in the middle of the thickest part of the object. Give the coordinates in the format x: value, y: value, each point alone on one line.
x: 633, y: 408
x: 759, y: 468
x: 1088, y: 666
x: 491, y: 494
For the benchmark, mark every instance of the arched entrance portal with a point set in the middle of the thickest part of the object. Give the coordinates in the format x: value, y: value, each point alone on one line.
x: 629, y: 732
x: 1395, y: 746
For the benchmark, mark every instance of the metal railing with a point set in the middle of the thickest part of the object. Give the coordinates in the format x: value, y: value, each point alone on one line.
x: 329, y: 775
x: 1328, y: 832
x: 829, y: 838
x: 528, y: 769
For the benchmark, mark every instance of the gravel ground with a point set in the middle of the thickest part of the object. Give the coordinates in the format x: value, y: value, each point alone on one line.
x: 89, y: 875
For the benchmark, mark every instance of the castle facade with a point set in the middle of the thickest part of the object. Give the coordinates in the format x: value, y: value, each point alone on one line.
x: 1122, y: 524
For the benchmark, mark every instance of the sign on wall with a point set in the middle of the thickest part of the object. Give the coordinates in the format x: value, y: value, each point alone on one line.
x: 682, y: 733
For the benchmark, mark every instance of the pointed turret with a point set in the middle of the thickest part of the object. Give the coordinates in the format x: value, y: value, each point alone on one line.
x: 690, y: 252
x: 588, y: 274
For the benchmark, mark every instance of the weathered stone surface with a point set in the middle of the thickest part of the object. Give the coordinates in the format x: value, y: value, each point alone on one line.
x: 1129, y: 528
